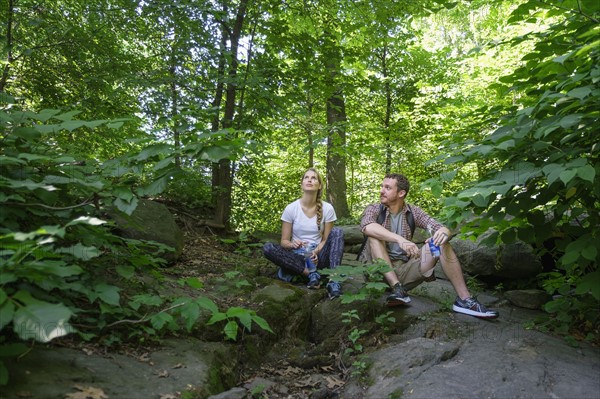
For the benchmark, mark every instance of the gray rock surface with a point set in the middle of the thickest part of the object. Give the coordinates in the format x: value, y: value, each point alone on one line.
x: 427, y: 351
x: 151, y: 221
x: 510, y: 262
x: 54, y: 373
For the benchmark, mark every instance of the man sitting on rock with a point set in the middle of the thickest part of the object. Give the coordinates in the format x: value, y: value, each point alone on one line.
x: 390, y: 240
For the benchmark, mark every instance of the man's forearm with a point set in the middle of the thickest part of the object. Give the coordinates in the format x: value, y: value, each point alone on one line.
x: 377, y: 231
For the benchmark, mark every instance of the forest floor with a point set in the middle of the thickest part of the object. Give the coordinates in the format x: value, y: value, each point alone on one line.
x: 213, y: 260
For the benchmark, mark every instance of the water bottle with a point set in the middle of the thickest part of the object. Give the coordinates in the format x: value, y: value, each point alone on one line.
x: 435, y: 249
x: 308, y: 250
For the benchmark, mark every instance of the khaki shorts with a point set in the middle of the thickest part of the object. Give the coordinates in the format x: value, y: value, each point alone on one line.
x: 409, y: 272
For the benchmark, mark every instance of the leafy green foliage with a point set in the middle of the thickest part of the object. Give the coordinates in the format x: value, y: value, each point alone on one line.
x: 60, y: 263
x: 236, y: 317
x: 373, y: 287
x: 546, y: 153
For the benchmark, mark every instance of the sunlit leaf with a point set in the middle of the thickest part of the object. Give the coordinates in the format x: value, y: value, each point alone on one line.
x: 42, y: 321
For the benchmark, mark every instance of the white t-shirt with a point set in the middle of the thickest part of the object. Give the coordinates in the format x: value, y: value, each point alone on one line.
x: 304, y: 228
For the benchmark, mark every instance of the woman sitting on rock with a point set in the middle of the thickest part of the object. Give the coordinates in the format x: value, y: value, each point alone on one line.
x: 309, y: 241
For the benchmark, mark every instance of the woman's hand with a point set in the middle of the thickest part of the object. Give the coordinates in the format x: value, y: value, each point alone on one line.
x: 295, y: 244
x: 315, y: 257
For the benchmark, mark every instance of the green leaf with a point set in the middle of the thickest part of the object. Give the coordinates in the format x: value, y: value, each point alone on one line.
x: 7, y: 311
x: 569, y: 257
x: 72, y: 125
x: 587, y: 172
x: 217, y: 317
x: 42, y: 321
x: 589, y: 283
x: 589, y: 252
x: 245, y: 318
x: 56, y: 268
x: 570, y: 121
x: 67, y: 116
x: 231, y: 330
x: 262, y: 323
x: 145, y: 299
x: 108, y: 293
x: 567, y: 175
x: 194, y: 282
x: 159, y: 320
x: 208, y: 304
x: 215, y: 154
x: 80, y: 251
x: 580, y: 92
x: 190, y: 312
x: 126, y: 207
x: 154, y: 188
x: 125, y: 271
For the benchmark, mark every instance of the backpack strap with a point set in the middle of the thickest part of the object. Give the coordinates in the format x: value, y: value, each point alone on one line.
x: 410, y: 219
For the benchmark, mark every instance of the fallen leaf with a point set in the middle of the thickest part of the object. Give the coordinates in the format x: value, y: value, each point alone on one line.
x: 87, y: 393
x: 179, y: 366
x: 333, y: 382
x: 162, y: 374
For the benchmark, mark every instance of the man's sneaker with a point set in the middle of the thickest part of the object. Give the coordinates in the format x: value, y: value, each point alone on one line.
x: 472, y: 307
x: 334, y: 289
x: 314, y: 280
x: 398, y: 297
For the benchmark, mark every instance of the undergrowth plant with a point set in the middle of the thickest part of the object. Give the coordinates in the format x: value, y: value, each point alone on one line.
x: 63, y: 270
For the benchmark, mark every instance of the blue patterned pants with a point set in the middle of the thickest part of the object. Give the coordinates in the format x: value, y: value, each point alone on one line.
x: 329, y: 257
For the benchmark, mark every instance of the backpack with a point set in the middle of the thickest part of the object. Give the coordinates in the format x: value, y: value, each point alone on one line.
x: 410, y: 219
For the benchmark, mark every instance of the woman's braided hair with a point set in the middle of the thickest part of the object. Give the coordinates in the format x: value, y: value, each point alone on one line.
x: 319, y: 201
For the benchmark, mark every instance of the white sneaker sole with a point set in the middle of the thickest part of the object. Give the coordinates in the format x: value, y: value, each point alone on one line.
x: 470, y: 312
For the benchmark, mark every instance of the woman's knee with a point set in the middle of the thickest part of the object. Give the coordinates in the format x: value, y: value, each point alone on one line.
x: 268, y: 248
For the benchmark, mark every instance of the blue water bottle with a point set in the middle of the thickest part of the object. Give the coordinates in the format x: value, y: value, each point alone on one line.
x: 435, y: 249
x: 308, y: 250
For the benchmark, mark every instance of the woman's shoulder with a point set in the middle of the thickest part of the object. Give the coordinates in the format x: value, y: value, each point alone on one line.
x: 327, y: 205
x: 292, y: 206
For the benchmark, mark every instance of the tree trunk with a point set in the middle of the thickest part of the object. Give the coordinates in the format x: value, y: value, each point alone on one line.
x: 336, y: 139
x: 388, y: 111
x: 9, y: 45
x: 224, y: 175
x: 174, y: 100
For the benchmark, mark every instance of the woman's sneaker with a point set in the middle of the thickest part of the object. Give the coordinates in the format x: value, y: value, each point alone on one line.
x: 399, y: 296
x: 334, y: 289
x: 314, y: 280
x: 472, y: 307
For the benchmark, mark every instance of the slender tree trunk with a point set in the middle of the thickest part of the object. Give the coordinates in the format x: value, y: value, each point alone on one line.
x: 216, y: 106
x: 174, y: 101
x: 309, y: 133
x: 336, y: 139
x: 388, y: 111
x: 9, y: 44
x: 224, y: 174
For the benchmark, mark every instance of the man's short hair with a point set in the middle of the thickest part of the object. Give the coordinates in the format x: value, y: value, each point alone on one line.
x: 402, y: 182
